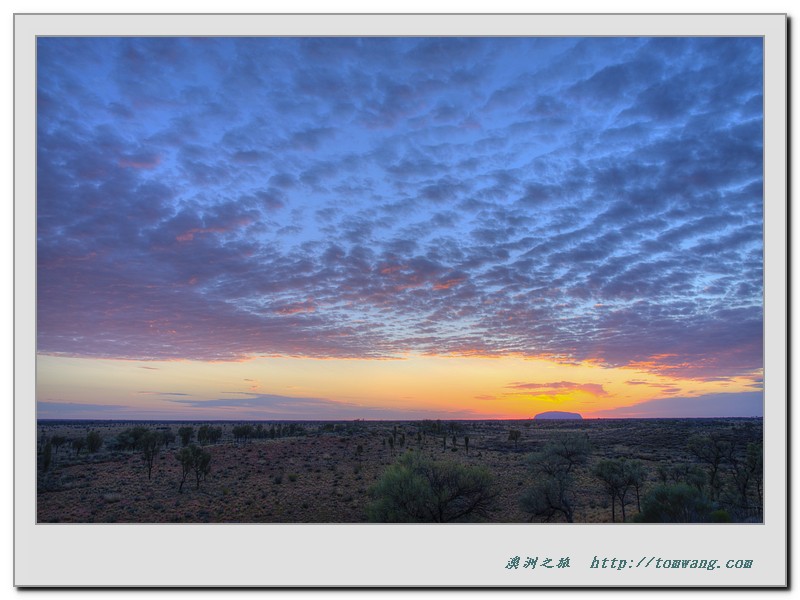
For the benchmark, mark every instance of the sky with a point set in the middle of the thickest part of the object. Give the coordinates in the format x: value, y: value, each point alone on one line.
x: 399, y: 228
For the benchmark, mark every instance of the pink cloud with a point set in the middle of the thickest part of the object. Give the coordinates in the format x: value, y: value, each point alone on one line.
x: 561, y: 386
x: 446, y: 285
x: 140, y: 161
x: 296, y: 308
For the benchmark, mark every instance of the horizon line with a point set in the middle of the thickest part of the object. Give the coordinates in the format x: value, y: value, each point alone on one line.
x: 386, y: 420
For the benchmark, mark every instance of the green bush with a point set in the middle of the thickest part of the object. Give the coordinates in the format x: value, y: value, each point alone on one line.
x: 677, y: 503
x: 721, y: 516
x: 552, y: 495
x: 417, y: 489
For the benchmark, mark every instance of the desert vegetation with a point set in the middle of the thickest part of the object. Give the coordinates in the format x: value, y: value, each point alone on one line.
x: 418, y: 488
x: 591, y: 471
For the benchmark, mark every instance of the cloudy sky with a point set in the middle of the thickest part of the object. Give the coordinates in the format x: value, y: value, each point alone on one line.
x: 389, y: 228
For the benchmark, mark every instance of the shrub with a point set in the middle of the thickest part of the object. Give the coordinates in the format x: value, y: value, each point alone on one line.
x: 417, y: 489
x: 243, y: 432
x: 619, y: 476
x: 677, y: 503
x: 561, y: 455
x: 185, y: 433
x: 167, y: 437
x: 130, y: 439
x: 203, y: 434
x: 194, y: 459
x: 552, y: 493
x: 711, y: 450
x: 550, y: 497
x: 720, y: 516
x: 682, y: 473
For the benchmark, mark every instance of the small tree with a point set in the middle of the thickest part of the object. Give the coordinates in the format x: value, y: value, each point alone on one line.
x: 615, y: 481
x: 186, y: 458
x: 202, y: 466
x: 561, y: 454
x: 215, y: 433
x: 57, y: 441
x: 150, y: 444
x: 202, y: 434
x: 550, y: 497
x: 693, y: 475
x: 552, y: 493
x: 746, y: 470
x: 78, y: 444
x: 185, y: 433
x: 243, y: 432
x: 193, y: 459
x: 93, y: 442
x: 571, y: 449
x: 514, y: 435
x: 636, y: 476
x: 130, y: 439
x: 167, y: 437
x: 711, y: 450
x: 47, y: 456
x: 755, y: 465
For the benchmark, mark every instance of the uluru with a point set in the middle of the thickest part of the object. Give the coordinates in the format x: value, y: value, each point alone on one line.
x: 557, y: 414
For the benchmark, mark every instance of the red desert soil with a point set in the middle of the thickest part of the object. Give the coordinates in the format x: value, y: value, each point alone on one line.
x: 323, y: 478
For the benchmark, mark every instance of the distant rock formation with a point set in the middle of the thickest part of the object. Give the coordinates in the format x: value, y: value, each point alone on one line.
x: 557, y: 414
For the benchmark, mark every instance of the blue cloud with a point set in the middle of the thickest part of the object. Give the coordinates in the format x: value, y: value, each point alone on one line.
x: 502, y: 188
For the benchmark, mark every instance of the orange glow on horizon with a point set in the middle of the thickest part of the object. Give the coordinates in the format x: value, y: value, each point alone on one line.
x: 465, y: 386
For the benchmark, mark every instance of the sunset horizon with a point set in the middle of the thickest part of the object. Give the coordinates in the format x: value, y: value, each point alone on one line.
x: 399, y: 228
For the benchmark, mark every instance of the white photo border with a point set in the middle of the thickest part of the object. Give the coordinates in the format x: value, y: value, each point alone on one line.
x: 356, y: 555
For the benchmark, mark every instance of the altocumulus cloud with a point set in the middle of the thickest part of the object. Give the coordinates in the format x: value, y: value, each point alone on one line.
x: 215, y: 199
